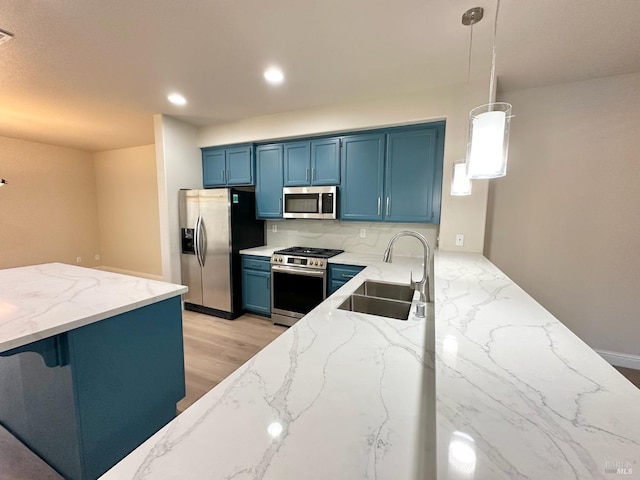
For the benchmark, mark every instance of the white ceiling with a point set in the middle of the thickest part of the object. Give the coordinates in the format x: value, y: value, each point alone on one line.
x: 91, y: 73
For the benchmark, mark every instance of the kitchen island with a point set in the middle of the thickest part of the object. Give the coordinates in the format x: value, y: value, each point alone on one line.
x: 91, y: 362
x: 488, y: 386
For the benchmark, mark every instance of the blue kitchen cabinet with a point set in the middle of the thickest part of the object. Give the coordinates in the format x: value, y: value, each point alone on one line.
x: 361, y: 188
x: 256, y: 284
x: 315, y: 162
x: 297, y: 164
x: 228, y: 166
x: 325, y: 161
x: 84, y: 399
x: 269, y: 164
x: 341, y: 274
x: 413, y: 176
x: 214, y: 167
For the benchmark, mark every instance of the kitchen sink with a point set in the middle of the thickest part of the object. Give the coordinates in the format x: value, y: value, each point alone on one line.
x: 377, y: 306
x: 392, y: 291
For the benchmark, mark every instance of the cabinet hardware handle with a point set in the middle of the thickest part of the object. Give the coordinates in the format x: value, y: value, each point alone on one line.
x: 306, y: 175
x: 388, y: 205
x: 222, y: 175
x: 227, y: 176
x: 313, y: 174
x: 379, y: 205
x: 280, y: 205
x: 344, y: 275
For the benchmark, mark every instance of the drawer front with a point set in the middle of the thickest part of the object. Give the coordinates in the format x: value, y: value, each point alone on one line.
x: 253, y: 262
x: 343, y: 273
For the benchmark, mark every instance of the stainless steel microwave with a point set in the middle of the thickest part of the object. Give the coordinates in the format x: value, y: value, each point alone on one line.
x: 309, y: 202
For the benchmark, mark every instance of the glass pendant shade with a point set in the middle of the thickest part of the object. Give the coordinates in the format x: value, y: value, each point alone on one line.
x: 460, y: 182
x: 488, y: 140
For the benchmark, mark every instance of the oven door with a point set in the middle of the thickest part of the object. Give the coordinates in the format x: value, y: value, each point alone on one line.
x: 295, y: 292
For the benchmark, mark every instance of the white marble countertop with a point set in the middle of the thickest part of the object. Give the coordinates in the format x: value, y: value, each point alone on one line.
x: 265, y: 251
x: 40, y: 301
x: 341, y: 395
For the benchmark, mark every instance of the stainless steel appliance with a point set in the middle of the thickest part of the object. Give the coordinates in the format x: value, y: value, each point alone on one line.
x: 298, y: 282
x: 309, y: 202
x: 215, y: 224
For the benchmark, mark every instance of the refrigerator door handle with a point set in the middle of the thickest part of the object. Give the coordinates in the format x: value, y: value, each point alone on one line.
x: 196, y: 240
x: 203, y: 242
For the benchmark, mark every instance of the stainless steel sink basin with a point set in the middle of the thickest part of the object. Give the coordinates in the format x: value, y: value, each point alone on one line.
x: 377, y: 306
x: 391, y: 291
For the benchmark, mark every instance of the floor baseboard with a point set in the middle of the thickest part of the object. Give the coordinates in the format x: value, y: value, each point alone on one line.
x: 616, y: 359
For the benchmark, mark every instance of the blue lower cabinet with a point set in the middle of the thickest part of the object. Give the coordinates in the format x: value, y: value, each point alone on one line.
x: 256, y: 285
x: 93, y: 394
x: 341, y: 274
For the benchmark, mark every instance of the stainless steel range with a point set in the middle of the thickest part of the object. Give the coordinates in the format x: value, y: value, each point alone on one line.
x: 298, y: 282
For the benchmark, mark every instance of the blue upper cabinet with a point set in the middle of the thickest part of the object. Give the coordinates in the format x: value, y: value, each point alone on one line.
x: 361, y: 188
x: 315, y: 162
x: 240, y: 165
x: 228, y: 166
x: 214, y: 167
x: 413, y: 176
x: 297, y: 164
x: 269, y: 163
x: 325, y: 161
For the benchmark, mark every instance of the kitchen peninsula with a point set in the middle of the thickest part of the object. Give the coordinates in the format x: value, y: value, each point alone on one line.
x: 91, y: 362
x: 489, y: 386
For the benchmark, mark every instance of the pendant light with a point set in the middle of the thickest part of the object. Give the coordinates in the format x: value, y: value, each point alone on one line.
x: 3, y: 182
x: 489, y: 124
x: 460, y: 182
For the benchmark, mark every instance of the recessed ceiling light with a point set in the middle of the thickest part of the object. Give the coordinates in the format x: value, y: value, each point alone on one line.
x: 177, y: 99
x: 273, y: 75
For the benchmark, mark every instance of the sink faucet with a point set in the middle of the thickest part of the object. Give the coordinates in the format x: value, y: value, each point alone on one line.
x: 421, y: 286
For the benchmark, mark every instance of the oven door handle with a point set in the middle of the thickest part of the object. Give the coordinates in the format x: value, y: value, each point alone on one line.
x: 298, y: 271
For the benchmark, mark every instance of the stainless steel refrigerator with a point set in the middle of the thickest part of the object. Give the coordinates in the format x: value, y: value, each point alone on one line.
x: 215, y: 224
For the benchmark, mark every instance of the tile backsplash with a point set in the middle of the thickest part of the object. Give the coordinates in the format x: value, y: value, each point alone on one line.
x: 346, y: 235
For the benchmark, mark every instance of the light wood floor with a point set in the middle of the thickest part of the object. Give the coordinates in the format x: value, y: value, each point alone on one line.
x: 215, y: 347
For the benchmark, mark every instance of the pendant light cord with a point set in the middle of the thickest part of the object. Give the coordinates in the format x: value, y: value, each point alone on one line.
x: 469, y: 64
x: 492, y: 80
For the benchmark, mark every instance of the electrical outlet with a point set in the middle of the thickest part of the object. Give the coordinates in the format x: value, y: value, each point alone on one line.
x: 363, y: 233
x: 459, y: 240
x: 274, y: 228
x: 97, y: 257
x: 78, y: 259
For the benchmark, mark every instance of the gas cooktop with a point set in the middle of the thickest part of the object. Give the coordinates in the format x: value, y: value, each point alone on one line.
x: 309, y: 252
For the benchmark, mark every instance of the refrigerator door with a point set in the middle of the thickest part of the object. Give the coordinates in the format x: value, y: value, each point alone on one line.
x: 216, y: 248
x: 191, y: 271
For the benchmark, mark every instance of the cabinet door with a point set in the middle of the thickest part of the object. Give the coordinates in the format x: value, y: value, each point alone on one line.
x: 240, y: 165
x: 256, y: 291
x: 362, y: 166
x: 325, y: 161
x: 412, y: 176
x: 214, y: 167
x: 297, y: 164
x: 269, y: 181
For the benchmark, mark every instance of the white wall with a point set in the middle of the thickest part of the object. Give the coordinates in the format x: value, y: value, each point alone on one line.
x: 464, y: 215
x: 127, y: 192
x: 564, y: 222
x: 179, y: 165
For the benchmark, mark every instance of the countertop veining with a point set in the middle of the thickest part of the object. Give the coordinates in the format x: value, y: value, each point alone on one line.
x: 513, y: 393
x: 40, y: 301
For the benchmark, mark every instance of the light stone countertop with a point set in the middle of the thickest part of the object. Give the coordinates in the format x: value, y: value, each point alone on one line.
x: 341, y: 395
x: 40, y: 301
